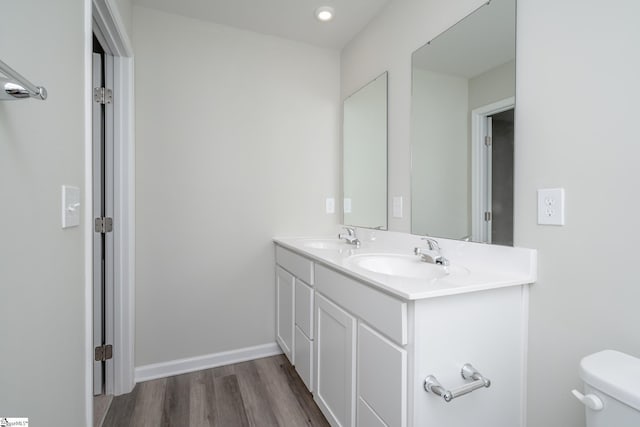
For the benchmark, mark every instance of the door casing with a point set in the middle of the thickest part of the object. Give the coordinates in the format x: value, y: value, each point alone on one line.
x: 103, y: 19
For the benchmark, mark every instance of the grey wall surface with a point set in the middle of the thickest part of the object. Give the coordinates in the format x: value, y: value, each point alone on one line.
x: 237, y: 141
x: 42, y: 274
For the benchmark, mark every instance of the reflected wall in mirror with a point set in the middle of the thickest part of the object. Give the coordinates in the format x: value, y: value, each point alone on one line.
x: 365, y: 156
x: 462, y: 108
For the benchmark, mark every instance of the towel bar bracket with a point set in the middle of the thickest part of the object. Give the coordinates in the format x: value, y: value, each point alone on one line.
x: 468, y: 372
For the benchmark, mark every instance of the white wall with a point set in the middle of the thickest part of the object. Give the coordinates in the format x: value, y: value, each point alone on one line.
x: 576, y: 92
x: 125, y: 12
x: 576, y: 127
x: 236, y: 142
x: 42, y: 276
x: 440, y: 148
x: 495, y: 85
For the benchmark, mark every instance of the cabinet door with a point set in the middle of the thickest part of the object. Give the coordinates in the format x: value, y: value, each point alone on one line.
x: 304, y: 358
x: 335, y: 363
x: 382, y: 379
x: 304, y: 308
x: 284, y: 312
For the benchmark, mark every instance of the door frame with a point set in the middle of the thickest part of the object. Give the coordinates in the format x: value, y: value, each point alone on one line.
x: 103, y: 18
x: 480, y: 168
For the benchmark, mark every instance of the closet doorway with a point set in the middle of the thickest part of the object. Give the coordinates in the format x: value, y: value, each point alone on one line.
x: 109, y: 182
x: 103, y: 216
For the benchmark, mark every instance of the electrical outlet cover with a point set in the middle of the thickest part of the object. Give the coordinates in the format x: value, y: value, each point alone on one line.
x: 330, y: 205
x: 551, y: 206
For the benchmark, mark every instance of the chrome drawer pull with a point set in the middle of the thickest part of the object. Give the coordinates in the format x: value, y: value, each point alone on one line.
x: 468, y: 372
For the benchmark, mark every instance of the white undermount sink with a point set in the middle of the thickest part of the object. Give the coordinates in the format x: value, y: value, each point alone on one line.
x: 326, y: 244
x: 408, y: 266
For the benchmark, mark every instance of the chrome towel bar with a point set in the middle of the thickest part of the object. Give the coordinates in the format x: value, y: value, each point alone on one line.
x: 468, y: 372
x: 15, y: 86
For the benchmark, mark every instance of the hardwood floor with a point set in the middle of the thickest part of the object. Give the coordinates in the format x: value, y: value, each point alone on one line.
x: 100, y: 407
x: 263, y: 393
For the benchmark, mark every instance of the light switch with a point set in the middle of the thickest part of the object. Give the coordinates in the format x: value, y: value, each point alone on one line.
x: 70, y: 206
x: 397, y: 207
x: 330, y: 205
x: 347, y: 205
x: 551, y: 206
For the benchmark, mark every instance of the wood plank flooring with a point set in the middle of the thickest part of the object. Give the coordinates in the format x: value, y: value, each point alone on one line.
x: 262, y: 393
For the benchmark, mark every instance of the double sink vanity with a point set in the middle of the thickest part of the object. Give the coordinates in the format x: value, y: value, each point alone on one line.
x: 365, y: 325
x: 391, y: 329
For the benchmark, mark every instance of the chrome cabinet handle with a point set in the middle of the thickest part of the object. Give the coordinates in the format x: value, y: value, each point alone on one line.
x: 468, y: 372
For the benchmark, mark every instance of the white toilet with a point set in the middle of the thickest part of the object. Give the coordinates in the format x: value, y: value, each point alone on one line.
x: 611, y: 389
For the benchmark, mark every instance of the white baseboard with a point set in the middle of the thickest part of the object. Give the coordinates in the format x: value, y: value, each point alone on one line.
x: 192, y: 364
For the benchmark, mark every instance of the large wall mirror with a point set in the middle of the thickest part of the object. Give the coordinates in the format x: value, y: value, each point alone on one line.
x: 365, y: 156
x: 462, y: 132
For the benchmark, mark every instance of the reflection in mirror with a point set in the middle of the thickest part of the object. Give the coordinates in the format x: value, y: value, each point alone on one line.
x: 365, y: 156
x: 463, y: 88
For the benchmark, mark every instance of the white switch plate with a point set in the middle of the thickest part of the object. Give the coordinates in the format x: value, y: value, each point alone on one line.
x: 330, y: 205
x: 397, y: 207
x: 551, y: 206
x: 70, y: 206
x: 347, y: 205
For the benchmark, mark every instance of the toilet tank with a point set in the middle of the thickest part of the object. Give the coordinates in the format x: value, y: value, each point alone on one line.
x: 613, y: 378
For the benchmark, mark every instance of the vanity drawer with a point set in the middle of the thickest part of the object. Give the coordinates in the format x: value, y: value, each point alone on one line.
x: 295, y: 264
x: 384, y: 312
x: 304, y: 308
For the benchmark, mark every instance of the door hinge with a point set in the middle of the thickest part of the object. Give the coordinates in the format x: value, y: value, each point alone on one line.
x: 487, y: 141
x: 487, y: 216
x: 103, y: 352
x: 102, y: 95
x: 104, y: 225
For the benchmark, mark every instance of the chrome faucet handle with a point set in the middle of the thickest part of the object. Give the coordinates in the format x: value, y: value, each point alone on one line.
x: 432, y: 244
x: 433, y: 253
x: 350, y: 237
x: 351, y: 232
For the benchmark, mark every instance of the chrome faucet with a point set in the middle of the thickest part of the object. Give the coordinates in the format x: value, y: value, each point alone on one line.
x: 432, y: 253
x: 350, y: 236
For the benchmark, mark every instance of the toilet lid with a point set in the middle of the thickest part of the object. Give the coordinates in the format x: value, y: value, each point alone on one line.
x: 614, y: 373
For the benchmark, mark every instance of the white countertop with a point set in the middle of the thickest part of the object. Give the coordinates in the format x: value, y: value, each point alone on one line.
x: 489, y: 266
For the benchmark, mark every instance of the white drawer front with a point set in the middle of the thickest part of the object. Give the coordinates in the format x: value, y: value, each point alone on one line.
x: 304, y: 308
x: 304, y: 358
x: 384, y: 312
x: 295, y: 264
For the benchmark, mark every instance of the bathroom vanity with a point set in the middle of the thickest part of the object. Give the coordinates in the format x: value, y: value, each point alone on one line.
x: 364, y: 327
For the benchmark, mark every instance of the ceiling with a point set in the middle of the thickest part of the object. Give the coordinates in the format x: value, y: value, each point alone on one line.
x: 478, y: 43
x: 291, y: 19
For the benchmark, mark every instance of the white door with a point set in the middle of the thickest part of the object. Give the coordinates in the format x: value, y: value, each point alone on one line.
x: 103, y: 271
x: 335, y: 366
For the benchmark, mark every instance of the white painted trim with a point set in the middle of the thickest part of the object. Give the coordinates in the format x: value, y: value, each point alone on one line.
x: 88, y: 213
x: 124, y: 235
x: 192, y: 364
x: 107, y: 20
x: 106, y: 14
x: 525, y: 352
x: 479, y: 164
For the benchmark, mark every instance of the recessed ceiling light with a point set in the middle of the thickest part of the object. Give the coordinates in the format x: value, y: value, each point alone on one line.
x: 325, y: 13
